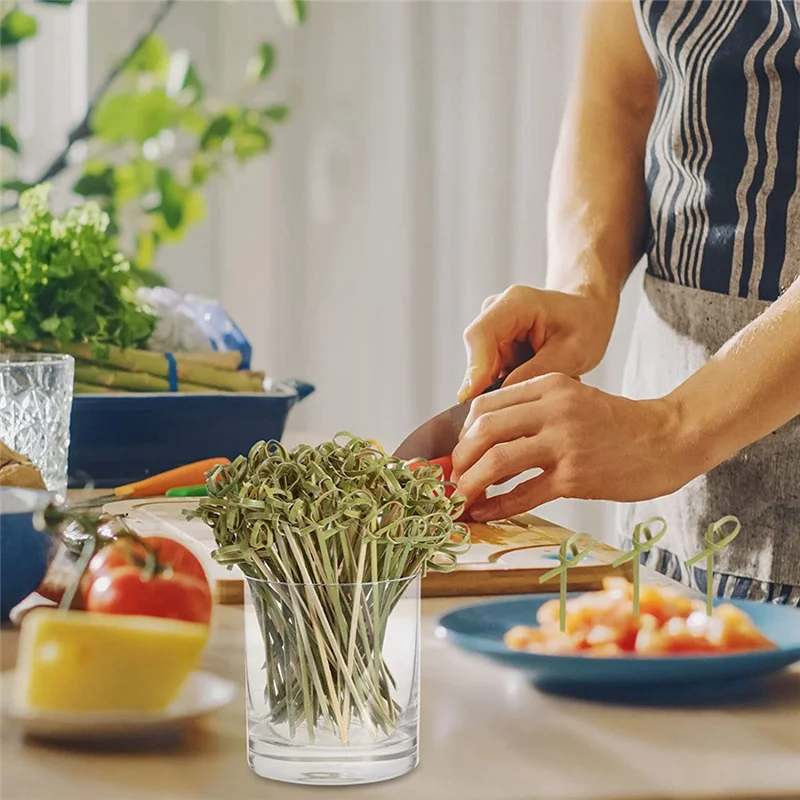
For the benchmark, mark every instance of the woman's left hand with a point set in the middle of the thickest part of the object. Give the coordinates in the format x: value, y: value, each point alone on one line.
x: 588, y: 444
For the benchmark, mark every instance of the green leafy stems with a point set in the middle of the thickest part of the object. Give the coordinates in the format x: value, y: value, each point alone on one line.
x: 717, y: 540
x: 330, y: 538
x: 569, y: 554
x: 155, y: 136
x: 643, y: 540
x: 63, y: 278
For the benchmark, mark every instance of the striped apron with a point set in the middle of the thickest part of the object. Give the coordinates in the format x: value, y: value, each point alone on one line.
x: 721, y: 172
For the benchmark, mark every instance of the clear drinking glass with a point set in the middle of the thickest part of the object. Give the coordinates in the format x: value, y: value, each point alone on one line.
x: 332, y: 680
x: 35, y: 407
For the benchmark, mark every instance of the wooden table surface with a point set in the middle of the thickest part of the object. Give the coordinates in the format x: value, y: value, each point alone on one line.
x: 485, y: 735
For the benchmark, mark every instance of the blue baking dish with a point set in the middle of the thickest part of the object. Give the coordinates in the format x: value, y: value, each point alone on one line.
x: 121, y: 438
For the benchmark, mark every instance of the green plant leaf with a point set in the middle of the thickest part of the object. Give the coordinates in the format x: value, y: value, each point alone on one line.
x: 6, y: 83
x: 96, y: 183
x: 194, y: 208
x: 134, y: 179
x: 51, y: 324
x: 201, y: 168
x: 173, y: 199
x: 251, y: 142
x: 57, y: 2
x: 183, y: 80
x: 134, y: 116
x: 8, y: 140
x: 293, y: 12
x: 276, y: 113
x: 152, y: 56
x: 110, y: 208
x: 145, y: 249
x: 261, y: 65
x: 15, y: 186
x: 217, y: 131
x: 193, y: 120
x: 192, y: 82
x: 15, y: 26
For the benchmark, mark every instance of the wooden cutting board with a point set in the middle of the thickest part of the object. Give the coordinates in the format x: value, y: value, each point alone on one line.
x: 505, y: 558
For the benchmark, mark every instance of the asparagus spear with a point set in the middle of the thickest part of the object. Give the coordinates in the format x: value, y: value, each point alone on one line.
x: 79, y: 387
x: 107, y: 378
x: 154, y: 364
x: 230, y: 359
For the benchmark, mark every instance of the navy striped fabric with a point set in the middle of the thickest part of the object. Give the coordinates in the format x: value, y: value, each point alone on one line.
x: 728, y: 586
x: 723, y: 154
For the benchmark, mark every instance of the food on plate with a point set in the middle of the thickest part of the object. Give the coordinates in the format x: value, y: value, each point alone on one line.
x: 145, y: 607
x: 153, y: 576
x: 18, y: 470
x: 77, y: 661
x: 669, y: 623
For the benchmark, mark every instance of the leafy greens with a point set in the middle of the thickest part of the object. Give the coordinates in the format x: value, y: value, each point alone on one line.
x: 64, y: 279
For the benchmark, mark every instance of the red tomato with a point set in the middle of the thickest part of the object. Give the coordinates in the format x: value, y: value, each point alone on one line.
x: 121, y: 580
x: 446, y: 463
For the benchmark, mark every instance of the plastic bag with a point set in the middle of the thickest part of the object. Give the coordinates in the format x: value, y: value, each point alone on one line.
x: 187, y: 323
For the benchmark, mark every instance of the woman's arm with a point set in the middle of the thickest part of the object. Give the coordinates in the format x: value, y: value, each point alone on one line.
x: 596, y: 216
x: 597, y: 208
x: 747, y: 390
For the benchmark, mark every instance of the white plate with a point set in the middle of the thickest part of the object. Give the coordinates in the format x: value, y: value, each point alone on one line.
x: 202, y: 694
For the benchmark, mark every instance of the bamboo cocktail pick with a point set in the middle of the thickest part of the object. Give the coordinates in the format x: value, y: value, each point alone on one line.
x: 716, y: 542
x: 568, y: 556
x: 640, y: 546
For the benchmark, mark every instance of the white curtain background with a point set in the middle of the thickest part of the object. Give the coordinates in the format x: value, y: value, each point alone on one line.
x: 409, y: 184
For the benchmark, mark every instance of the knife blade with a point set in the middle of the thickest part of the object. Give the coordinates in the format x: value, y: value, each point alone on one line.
x: 438, y: 436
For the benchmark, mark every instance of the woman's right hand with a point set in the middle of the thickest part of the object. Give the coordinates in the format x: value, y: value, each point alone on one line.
x: 568, y: 333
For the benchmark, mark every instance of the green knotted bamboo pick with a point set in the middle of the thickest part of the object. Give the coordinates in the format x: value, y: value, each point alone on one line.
x: 716, y: 544
x: 641, y: 546
x: 568, y: 556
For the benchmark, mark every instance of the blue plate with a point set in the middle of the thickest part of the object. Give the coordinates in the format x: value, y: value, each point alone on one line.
x: 480, y: 629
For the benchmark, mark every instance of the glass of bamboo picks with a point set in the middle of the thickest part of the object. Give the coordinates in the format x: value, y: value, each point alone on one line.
x: 333, y: 541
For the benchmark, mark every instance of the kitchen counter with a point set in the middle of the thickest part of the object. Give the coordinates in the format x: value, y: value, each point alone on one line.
x: 486, y: 735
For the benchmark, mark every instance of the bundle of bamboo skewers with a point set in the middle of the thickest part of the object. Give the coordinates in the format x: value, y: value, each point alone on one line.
x: 114, y: 370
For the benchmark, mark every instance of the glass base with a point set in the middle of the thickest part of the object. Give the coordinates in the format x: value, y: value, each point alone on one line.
x: 332, y: 766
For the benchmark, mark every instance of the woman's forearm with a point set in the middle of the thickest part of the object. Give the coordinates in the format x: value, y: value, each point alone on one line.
x: 597, y: 208
x: 747, y: 390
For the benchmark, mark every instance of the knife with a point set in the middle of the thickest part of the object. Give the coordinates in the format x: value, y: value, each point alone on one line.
x: 438, y: 437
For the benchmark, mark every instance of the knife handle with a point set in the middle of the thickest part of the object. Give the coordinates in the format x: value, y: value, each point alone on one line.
x: 198, y: 490
x: 495, y: 386
x: 525, y: 354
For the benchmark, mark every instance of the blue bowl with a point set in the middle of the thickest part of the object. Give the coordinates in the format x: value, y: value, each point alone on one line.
x: 480, y: 629
x: 117, y: 439
x: 25, y: 553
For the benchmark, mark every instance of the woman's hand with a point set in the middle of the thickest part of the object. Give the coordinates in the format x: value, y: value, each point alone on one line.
x: 589, y: 444
x: 568, y: 333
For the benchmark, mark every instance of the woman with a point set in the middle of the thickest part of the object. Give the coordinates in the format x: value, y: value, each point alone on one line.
x: 680, y: 142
